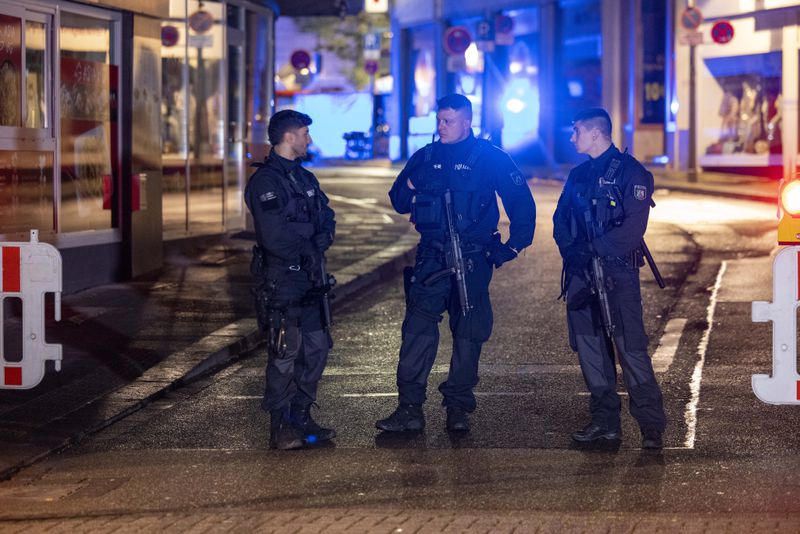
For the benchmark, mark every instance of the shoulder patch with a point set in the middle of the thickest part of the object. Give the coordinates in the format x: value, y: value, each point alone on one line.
x: 517, y: 178
x: 639, y: 192
x: 268, y: 200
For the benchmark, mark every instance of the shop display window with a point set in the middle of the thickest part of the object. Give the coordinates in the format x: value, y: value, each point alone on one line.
x: 88, y: 104
x: 739, y: 112
x: 422, y: 57
x: 26, y: 191
x: 10, y: 70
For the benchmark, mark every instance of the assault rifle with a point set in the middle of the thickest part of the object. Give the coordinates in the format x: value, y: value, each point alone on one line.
x: 598, y: 283
x: 454, y: 259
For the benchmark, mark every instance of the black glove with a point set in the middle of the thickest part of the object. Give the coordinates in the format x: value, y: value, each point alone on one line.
x: 499, y: 253
x: 577, y: 257
x: 322, y: 241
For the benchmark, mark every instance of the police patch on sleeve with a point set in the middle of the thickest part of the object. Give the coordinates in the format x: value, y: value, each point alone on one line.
x: 268, y: 200
x: 639, y: 192
x: 517, y: 178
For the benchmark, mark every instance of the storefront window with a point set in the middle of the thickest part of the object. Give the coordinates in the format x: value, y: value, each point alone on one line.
x: 26, y: 191
x: 422, y: 58
x: 88, y: 99
x: 466, y: 73
x: 26, y: 143
x: 741, y: 125
x: 259, y: 84
x: 580, y: 81
x: 520, y: 101
x: 10, y: 69
x: 35, y: 79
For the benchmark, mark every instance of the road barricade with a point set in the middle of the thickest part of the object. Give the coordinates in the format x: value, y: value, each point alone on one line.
x: 27, y: 272
x: 783, y: 386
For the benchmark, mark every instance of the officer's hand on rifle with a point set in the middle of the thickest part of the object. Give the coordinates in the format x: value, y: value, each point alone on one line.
x: 322, y: 241
x: 499, y: 253
x: 577, y: 257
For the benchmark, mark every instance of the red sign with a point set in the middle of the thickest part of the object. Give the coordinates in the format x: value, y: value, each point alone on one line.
x: 722, y: 32
x: 371, y: 66
x: 169, y: 35
x: 201, y: 21
x: 456, y: 40
x: 300, y: 59
x: 691, y: 18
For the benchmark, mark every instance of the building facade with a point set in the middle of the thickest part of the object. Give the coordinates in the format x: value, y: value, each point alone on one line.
x: 123, y: 123
x: 741, y: 98
x: 529, y: 66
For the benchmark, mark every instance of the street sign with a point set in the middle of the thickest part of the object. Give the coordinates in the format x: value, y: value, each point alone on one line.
x: 484, y: 38
x: 503, y: 30
x: 691, y: 18
x: 201, y: 21
x: 376, y: 6
x: 456, y: 40
x: 722, y: 32
x: 300, y: 59
x: 372, y: 45
x: 371, y: 66
x: 169, y: 35
x: 691, y: 38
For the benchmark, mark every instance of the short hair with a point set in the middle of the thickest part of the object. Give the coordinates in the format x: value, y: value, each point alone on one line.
x: 455, y: 101
x: 284, y: 121
x: 595, y: 118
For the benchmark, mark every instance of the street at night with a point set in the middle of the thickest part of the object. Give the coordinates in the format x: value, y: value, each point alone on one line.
x: 198, y: 458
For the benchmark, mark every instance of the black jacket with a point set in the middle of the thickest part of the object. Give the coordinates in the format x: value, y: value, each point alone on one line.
x: 288, y: 208
x: 625, y: 222
x: 474, y: 170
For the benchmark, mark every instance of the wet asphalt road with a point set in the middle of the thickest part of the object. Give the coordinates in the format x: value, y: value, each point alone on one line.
x: 727, y: 455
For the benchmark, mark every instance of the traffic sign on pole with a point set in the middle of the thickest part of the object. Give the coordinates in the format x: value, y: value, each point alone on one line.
x: 691, y: 18
x: 456, y: 40
x: 722, y: 32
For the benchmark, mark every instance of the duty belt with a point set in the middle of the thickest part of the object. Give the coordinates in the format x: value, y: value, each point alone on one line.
x: 466, y: 248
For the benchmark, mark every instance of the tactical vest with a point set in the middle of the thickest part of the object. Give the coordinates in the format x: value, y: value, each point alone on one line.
x: 302, y: 207
x: 471, y: 197
x: 603, y: 195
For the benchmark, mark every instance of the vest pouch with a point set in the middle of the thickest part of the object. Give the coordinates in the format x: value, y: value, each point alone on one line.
x: 303, y: 229
x: 426, y: 212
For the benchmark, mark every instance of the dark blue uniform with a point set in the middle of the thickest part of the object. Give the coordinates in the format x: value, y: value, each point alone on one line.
x: 288, y: 209
x: 621, y: 205
x: 474, y: 170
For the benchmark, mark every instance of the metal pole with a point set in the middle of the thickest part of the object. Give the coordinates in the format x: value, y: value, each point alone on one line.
x: 692, y: 174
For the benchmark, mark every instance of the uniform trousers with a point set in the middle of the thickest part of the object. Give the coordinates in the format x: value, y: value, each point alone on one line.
x: 425, y: 303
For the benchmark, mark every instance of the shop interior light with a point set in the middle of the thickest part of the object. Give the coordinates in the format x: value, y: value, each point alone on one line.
x: 515, y: 105
x: 790, y: 198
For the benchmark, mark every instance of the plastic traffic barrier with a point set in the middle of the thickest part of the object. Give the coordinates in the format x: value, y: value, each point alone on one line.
x: 28, y: 271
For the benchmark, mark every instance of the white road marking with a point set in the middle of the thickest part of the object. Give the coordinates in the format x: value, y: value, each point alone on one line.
x: 668, y: 346
x: 697, y: 376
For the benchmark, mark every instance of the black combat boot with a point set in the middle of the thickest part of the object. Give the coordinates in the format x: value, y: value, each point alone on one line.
x: 282, y: 434
x: 457, y: 420
x: 405, y: 417
x: 312, y: 432
x: 593, y: 432
x: 652, y: 438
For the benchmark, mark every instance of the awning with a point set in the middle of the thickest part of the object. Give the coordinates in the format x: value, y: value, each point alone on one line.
x: 316, y: 8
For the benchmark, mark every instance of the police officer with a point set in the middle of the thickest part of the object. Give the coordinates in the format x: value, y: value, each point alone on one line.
x: 616, y: 190
x: 472, y: 170
x: 294, y: 227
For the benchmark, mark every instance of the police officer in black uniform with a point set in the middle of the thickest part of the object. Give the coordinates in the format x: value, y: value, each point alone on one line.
x: 472, y: 170
x: 617, y: 190
x: 294, y: 227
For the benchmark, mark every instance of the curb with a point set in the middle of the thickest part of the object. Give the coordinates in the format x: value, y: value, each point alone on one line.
x: 217, y: 350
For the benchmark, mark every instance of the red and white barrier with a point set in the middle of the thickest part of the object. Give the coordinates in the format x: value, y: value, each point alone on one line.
x: 28, y: 271
x: 783, y: 386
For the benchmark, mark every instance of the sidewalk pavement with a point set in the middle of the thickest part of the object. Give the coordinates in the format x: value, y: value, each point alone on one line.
x: 126, y: 344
